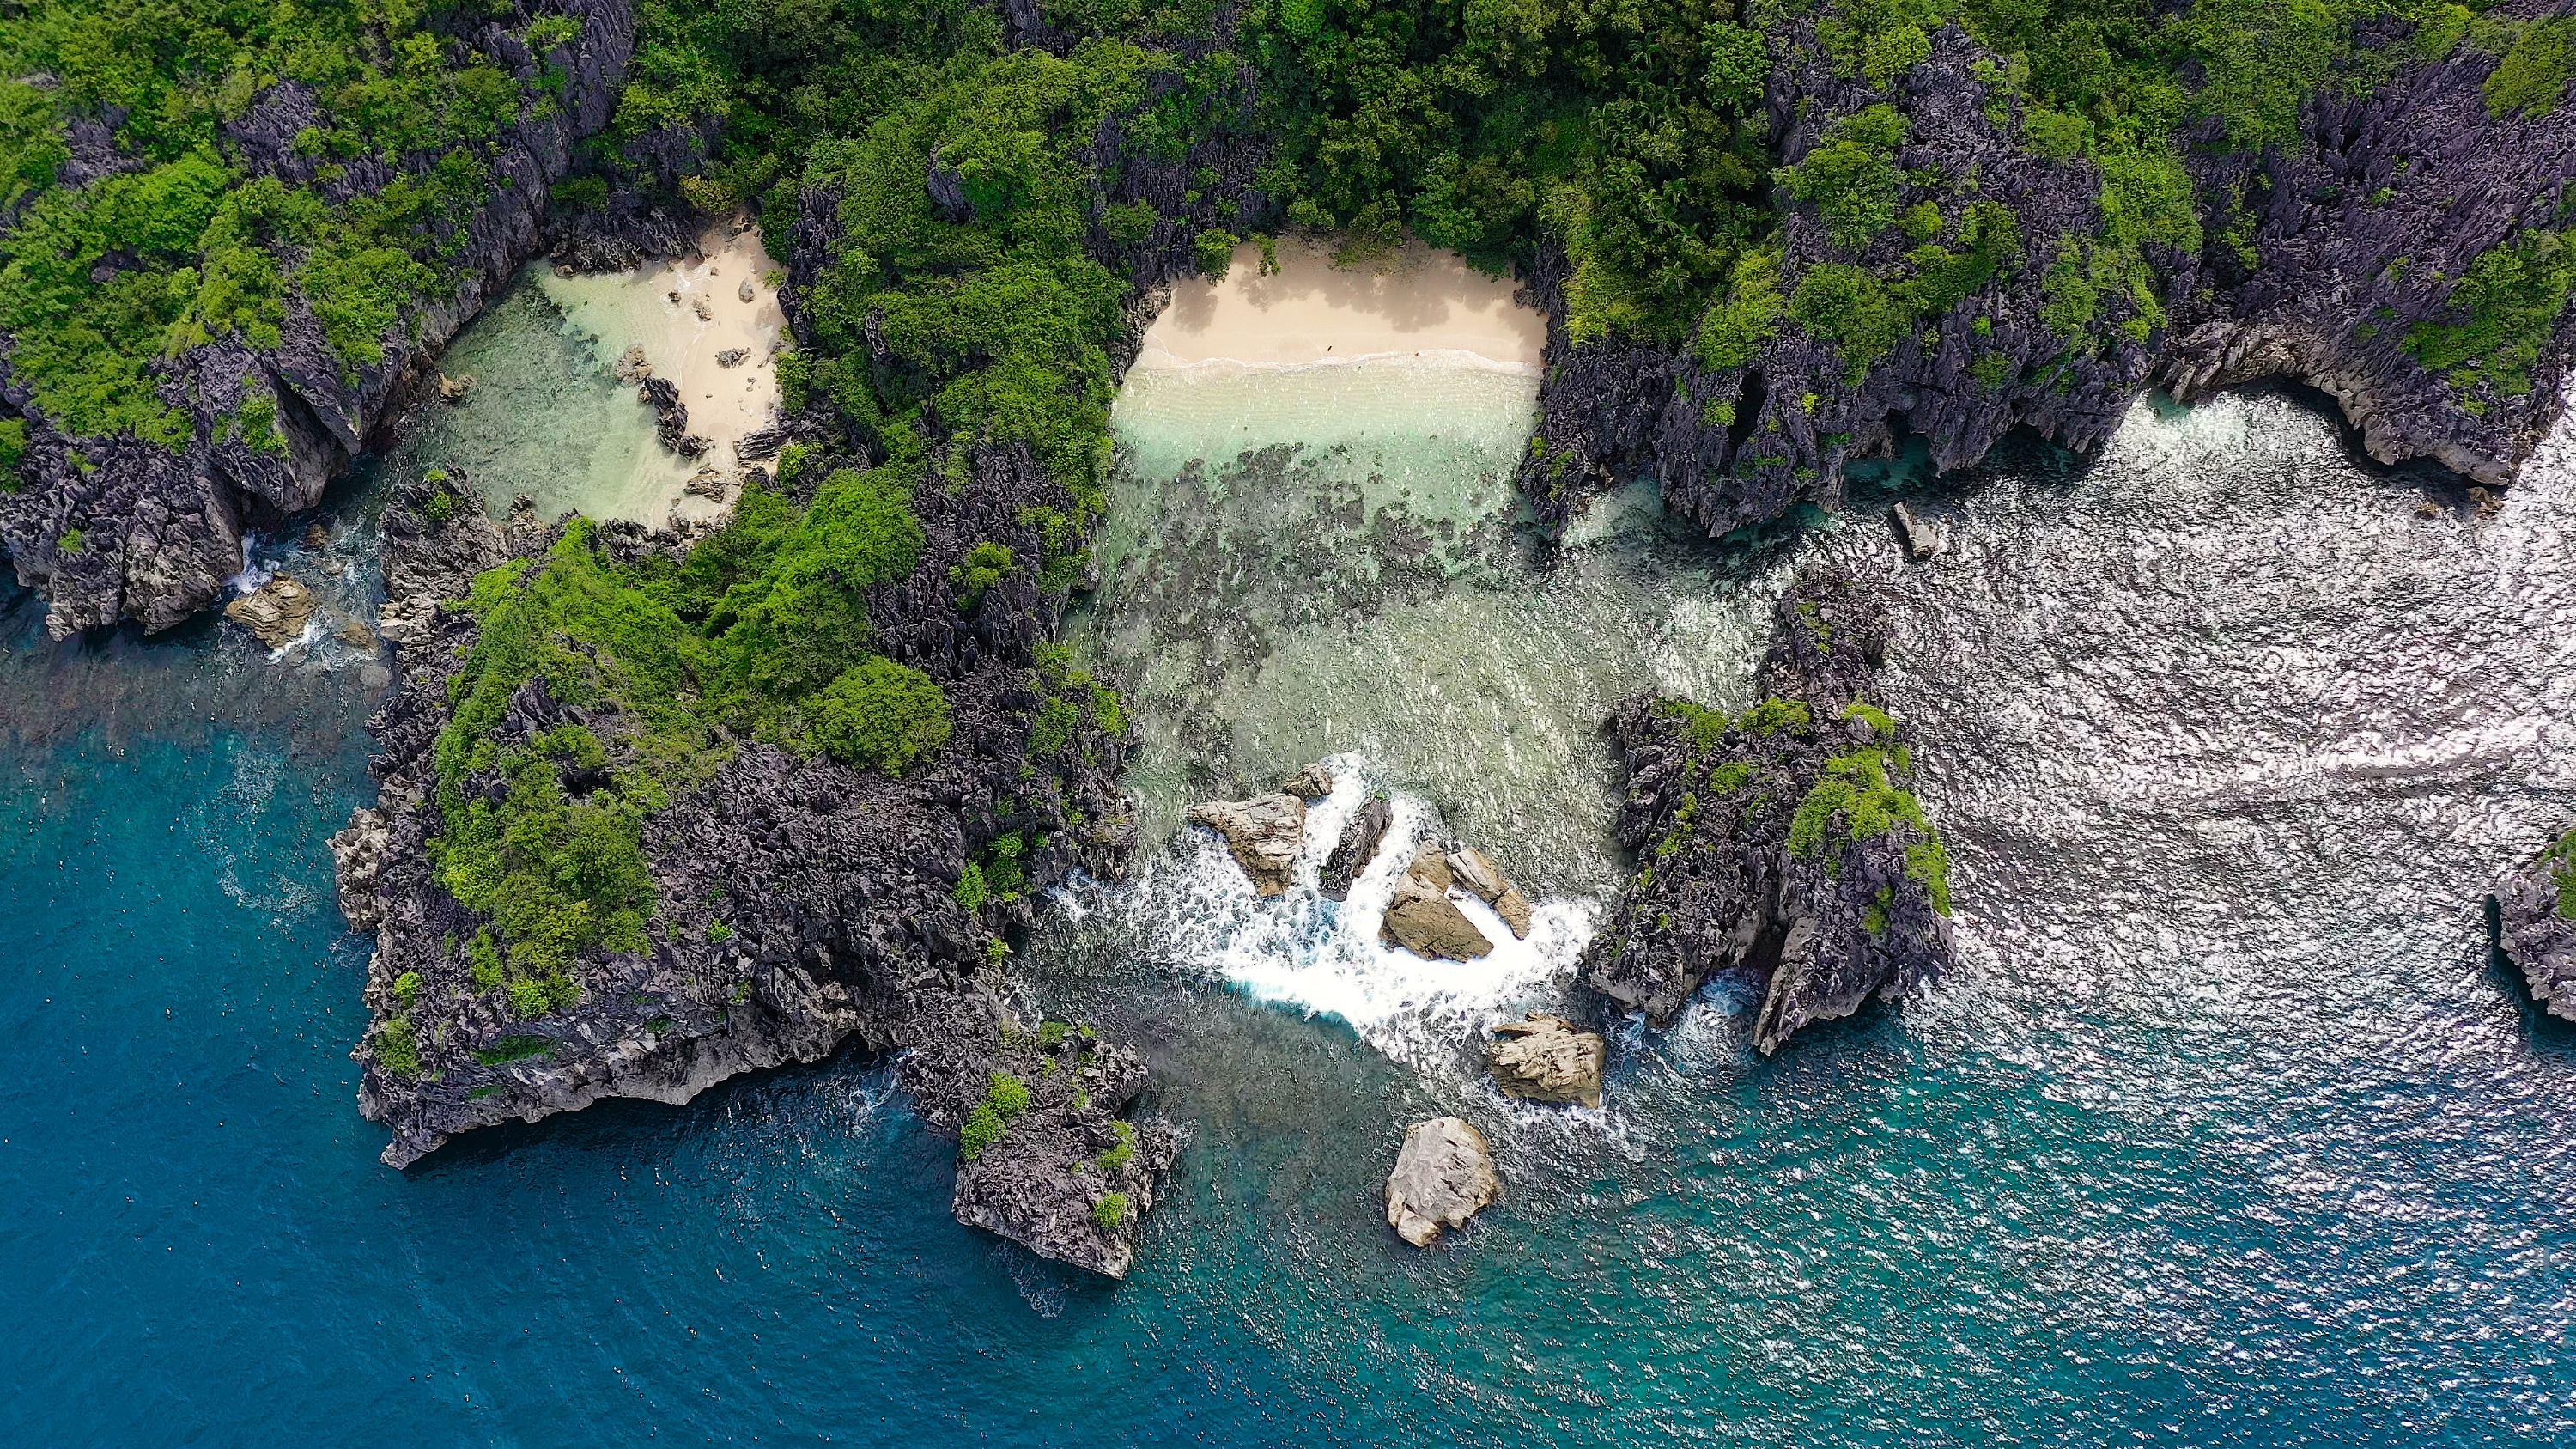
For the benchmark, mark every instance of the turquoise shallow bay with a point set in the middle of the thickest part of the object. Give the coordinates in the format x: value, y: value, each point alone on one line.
x: 2232, y: 1135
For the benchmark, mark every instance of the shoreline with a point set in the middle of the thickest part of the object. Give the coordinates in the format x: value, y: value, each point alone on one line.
x: 1414, y: 307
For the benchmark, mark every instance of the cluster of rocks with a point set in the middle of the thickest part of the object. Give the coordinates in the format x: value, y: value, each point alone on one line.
x: 1445, y: 1173
x: 1267, y: 834
x: 1785, y: 843
x: 671, y: 416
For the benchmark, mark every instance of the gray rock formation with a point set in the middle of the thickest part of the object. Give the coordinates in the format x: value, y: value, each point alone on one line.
x: 1787, y: 843
x: 276, y: 612
x: 1266, y: 833
x: 2540, y: 939
x: 1443, y: 1176
x: 1357, y: 846
x: 1547, y: 1059
x: 834, y: 887
x: 2312, y: 260
x: 161, y: 528
x: 745, y: 292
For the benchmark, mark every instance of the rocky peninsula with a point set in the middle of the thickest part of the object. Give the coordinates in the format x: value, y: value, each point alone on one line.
x: 1784, y: 843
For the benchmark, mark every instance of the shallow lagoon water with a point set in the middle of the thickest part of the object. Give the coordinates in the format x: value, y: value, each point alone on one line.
x: 2228, y: 1134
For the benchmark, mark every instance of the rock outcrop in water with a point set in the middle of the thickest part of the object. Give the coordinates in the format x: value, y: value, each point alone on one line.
x: 1264, y: 833
x: 1546, y: 1058
x: 1357, y: 846
x: 802, y: 902
x: 114, y: 528
x: 1786, y: 843
x: 1443, y: 1176
x: 2314, y: 260
x: 2539, y: 937
x: 1422, y: 919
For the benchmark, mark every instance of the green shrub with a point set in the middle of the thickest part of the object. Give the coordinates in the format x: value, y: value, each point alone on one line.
x: 1110, y: 1210
x: 514, y: 1049
x: 441, y: 506
x: 1005, y: 1097
x: 2510, y: 298
x: 2532, y: 77
x: 1736, y: 328
x: 1213, y: 251
x: 407, y: 989
x: 971, y: 892
x: 1117, y: 1157
x: 879, y: 713
x: 398, y: 1048
x: 1775, y: 714
x: 1854, y: 792
x: 1129, y: 222
x: 718, y: 932
x: 982, y: 568
x: 1851, y: 175
x: 73, y: 541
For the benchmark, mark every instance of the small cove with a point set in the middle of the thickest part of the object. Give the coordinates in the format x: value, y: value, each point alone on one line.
x: 2227, y: 1135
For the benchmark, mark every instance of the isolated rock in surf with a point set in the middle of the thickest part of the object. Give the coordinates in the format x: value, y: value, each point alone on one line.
x: 1265, y: 833
x: 1443, y: 1176
x: 276, y: 612
x: 1314, y: 782
x: 1547, y: 1059
x: 1352, y: 853
x: 1422, y: 919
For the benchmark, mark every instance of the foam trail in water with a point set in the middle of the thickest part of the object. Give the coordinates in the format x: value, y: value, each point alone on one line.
x: 1322, y: 956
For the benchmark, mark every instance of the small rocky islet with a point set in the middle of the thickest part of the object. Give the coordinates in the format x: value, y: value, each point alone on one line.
x: 590, y: 877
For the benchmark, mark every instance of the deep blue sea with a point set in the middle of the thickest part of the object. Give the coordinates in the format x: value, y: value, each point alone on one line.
x: 2231, y: 1134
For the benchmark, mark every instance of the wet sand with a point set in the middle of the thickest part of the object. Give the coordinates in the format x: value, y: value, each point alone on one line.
x: 656, y: 309
x: 1416, y: 304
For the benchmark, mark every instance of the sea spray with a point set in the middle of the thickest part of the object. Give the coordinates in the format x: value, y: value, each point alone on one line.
x: 1192, y: 909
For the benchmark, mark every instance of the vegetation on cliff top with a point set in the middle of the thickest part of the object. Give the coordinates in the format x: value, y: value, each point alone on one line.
x: 184, y: 233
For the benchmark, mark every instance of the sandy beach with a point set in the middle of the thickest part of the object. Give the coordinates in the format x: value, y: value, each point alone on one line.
x: 657, y: 309
x: 1414, y: 304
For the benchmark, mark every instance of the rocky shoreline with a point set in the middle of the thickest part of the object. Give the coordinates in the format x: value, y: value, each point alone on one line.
x: 2536, y: 930
x: 2311, y: 262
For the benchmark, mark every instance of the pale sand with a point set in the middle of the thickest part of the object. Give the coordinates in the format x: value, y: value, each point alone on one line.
x: 726, y: 404
x: 1415, y: 304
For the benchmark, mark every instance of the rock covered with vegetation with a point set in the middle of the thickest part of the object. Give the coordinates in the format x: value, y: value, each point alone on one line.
x: 231, y: 239
x: 2538, y: 905
x: 1786, y: 843
x: 1961, y: 217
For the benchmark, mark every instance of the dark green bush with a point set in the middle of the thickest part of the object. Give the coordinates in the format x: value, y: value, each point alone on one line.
x: 879, y: 713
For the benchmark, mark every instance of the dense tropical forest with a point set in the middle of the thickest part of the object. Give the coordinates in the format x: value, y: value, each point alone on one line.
x: 975, y: 194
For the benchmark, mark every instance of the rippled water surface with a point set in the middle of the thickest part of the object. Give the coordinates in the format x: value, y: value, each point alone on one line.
x: 2229, y: 1133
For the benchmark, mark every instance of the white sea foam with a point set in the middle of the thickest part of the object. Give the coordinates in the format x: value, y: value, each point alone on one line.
x: 1323, y: 957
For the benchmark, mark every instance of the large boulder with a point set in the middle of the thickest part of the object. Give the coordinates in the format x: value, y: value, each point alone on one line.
x: 1547, y: 1059
x: 1264, y: 833
x: 1443, y: 1176
x: 276, y: 612
x: 1314, y: 782
x: 1422, y: 919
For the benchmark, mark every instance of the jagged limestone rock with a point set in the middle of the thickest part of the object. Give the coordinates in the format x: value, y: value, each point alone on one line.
x: 1313, y: 782
x: 1728, y: 876
x: 1265, y: 833
x: 1443, y: 1176
x: 1547, y: 1059
x: 2537, y: 938
x: 1357, y: 846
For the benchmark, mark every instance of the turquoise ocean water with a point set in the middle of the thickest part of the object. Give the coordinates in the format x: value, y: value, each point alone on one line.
x: 2230, y: 1135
